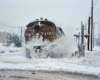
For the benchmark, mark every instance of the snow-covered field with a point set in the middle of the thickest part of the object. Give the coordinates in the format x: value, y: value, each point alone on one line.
x: 14, y: 58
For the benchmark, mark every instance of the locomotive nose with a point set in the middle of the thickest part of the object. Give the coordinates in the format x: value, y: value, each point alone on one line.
x: 37, y: 27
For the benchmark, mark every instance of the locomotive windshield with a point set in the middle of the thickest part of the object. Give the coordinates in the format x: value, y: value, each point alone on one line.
x: 32, y: 24
x: 45, y: 23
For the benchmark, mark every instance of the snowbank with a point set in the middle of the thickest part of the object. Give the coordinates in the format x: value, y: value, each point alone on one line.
x: 5, y: 49
x: 90, y: 64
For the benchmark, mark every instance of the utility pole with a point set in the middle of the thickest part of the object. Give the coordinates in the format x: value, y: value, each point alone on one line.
x: 81, y: 47
x: 82, y: 33
x: 91, y: 24
x: 21, y: 34
x: 88, y: 33
x: 93, y: 35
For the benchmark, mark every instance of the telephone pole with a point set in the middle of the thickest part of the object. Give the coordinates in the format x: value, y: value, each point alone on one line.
x: 91, y: 24
x: 82, y: 33
x: 21, y: 34
x: 88, y: 33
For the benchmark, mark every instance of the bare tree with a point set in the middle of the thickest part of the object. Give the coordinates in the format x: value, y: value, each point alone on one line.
x: 13, y: 39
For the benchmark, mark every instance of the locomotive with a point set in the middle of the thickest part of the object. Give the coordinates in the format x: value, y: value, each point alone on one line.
x: 42, y: 28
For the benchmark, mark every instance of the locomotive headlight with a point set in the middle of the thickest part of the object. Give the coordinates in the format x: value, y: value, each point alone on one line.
x: 37, y: 35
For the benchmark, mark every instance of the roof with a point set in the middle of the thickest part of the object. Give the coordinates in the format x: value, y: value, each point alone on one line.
x: 34, y: 22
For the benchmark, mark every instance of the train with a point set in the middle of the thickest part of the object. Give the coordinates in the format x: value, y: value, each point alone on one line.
x: 42, y: 28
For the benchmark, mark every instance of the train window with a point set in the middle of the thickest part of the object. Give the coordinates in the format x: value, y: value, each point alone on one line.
x: 60, y: 29
x: 49, y: 24
x: 46, y: 23
x: 36, y: 23
x: 43, y: 22
x: 32, y: 24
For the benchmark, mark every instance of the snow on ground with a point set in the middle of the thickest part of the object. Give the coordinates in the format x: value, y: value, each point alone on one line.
x: 90, y: 64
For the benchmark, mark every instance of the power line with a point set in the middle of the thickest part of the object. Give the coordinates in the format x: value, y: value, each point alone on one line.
x: 94, y: 6
x: 95, y: 3
x: 8, y: 25
x: 97, y: 19
x: 97, y: 10
x: 97, y: 13
x: 90, y: 10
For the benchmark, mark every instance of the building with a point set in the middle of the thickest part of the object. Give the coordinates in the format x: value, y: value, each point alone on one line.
x: 3, y: 38
x: 99, y: 31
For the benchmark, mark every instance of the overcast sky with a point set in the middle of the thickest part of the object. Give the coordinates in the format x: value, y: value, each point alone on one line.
x: 67, y: 14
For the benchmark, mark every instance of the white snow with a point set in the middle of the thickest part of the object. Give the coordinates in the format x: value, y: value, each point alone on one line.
x: 58, y: 48
x: 17, y: 60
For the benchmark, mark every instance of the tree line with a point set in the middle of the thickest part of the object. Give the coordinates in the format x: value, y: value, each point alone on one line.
x: 14, y: 39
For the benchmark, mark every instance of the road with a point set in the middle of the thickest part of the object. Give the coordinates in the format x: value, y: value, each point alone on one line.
x: 10, y: 74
